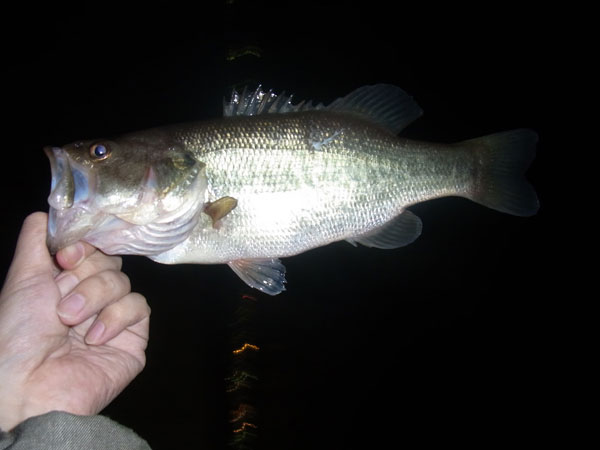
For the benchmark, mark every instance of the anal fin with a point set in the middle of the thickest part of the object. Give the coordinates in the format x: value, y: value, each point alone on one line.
x: 266, y: 275
x: 398, y: 232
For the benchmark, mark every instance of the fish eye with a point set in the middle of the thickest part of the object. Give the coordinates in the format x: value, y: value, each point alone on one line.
x: 99, y: 152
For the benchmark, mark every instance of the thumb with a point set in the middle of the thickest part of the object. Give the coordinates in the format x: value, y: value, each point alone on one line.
x: 31, y: 254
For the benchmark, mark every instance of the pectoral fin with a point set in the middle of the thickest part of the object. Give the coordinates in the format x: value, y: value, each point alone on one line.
x: 398, y: 232
x: 266, y: 275
x: 219, y: 209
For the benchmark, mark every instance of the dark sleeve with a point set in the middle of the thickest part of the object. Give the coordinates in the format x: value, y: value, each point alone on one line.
x: 59, y: 430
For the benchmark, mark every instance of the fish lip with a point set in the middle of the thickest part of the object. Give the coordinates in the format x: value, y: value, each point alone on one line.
x: 51, y: 241
x: 53, y: 165
x: 62, y: 185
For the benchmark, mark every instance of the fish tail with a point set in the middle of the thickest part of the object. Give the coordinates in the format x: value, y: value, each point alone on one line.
x: 501, y: 162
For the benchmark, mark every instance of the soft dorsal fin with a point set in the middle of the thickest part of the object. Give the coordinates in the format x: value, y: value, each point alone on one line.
x: 384, y: 104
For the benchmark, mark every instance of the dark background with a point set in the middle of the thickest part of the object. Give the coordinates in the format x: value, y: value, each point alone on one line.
x: 441, y: 341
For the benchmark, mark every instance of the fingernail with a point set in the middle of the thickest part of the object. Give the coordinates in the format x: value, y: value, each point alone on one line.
x: 93, y: 336
x: 74, y: 253
x: 71, y: 305
x: 66, y: 282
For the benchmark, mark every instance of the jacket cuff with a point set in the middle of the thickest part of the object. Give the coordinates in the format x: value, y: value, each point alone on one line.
x: 66, y: 431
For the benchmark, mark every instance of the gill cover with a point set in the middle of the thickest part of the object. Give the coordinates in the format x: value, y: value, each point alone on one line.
x: 168, y: 181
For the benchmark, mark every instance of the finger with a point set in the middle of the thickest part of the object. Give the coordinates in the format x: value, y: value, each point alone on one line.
x: 116, y: 317
x: 95, y: 263
x: 31, y: 254
x: 92, y: 295
x: 70, y: 257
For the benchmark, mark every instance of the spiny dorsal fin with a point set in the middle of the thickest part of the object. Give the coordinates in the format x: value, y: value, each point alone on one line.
x: 384, y: 104
x: 252, y: 103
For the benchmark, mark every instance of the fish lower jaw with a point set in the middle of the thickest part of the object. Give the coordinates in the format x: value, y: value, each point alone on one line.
x: 67, y: 226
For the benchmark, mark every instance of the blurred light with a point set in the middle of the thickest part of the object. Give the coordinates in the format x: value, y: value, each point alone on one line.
x: 243, y: 410
x: 244, y: 426
x: 244, y: 347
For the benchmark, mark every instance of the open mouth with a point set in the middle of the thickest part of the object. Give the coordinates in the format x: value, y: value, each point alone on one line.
x: 69, y: 184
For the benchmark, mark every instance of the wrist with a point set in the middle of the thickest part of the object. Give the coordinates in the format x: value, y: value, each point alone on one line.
x: 13, y: 400
x: 14, y: 409
x: 11, y: 410
x: 12, y: 375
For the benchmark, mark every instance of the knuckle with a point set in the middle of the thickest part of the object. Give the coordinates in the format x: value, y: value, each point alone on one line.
x: 113, y: 315
x: 117, y: 262
x: 107, y: 281
x: 140, y: 305
x: 146, y: 306
x: 100, y: 261
x: 130, y: 309
x: 113, y: 281
x: 124, y: 279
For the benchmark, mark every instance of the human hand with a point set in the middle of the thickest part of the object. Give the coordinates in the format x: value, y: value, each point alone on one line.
x: 72, y: 336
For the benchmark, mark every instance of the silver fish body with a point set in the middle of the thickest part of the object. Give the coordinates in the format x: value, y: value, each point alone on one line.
x: 299, y: 177
x: 306, y: 179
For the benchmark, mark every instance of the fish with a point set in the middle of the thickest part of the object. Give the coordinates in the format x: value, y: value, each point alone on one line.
x: 272, y: 179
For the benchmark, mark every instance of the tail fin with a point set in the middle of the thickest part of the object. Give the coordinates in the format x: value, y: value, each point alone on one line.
x: 503, y: 159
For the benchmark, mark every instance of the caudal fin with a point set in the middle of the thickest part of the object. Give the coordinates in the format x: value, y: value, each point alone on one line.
x: 503, y: 159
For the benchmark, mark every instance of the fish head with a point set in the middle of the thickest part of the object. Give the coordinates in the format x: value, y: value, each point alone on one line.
x: 108, y: 192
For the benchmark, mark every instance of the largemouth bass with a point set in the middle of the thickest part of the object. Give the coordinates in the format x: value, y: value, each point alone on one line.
x: 272, y: 179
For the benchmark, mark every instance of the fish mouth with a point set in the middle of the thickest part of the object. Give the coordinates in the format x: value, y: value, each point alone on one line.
x: 69, y: 192
x: 70, y: 181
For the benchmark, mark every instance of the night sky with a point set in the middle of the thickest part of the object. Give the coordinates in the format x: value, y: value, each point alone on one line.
x: 438, y: 342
